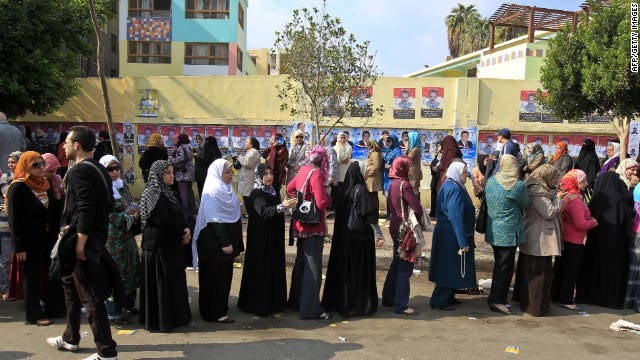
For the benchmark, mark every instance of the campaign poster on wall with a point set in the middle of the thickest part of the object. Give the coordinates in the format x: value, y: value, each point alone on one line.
x: 404, y: 101
x: 569, y: 139
x: 432, y: 102
x: 429, y: 140
x: 193, y: 132
x: 129, y: 135
x: 363, y: 103
x: 239, y: 137
x: 305, y: 127
x: 119, y: 129
x: 360, y: 137
x: 168, y: 132
x: 529, y: 110
x: 486, y: 143
x: 127, y: 165
x: 263, y: 135
x: 333, y: 107
x: 144, y: 133
x: 467, y: 142
x: 542, y: 140
x: 221, y: 133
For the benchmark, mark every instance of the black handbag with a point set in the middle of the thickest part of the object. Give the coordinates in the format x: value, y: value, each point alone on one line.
x: 306, y: 211
x: 355, y: 222
x: 481, y: 218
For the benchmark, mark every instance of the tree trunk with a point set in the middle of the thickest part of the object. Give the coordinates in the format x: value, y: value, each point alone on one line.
x: 103, y: 80
x: 622, y: 130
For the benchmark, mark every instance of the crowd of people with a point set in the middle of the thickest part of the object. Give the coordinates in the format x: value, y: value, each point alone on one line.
x: 573, y: 224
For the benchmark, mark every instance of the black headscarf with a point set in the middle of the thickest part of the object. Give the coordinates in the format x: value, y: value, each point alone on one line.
x: 352, y: 177
x: 356, y: 193
x: 258, y: 184
x: 255, y: 143
x: 611, y: 201
x: 211, y: 150
x: 588, y: 161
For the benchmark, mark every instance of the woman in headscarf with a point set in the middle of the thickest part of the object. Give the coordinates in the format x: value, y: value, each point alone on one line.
x: 263, y: 290
x: 27, y: 206
x: 535, y: 157
x: 184, y: 172
x: 450, y: 151
x: 506, y: 198
x: 154, y: 151
x: 247, y: 172
x: 632, y: 297
x: 6, y: 247
x: 61, y: 155
x: 543, y: 241
x: 373, y: 181
x: 350, y: 287
x: 276, y: 156
x: 344, y: 152
x: 204, y: 157
x: 401, y: 197
x: 477, y: 175
x: 390, y: 152
x: 576, y: 221
x: 298, y: 155
x: 164, y: 299
x: 561, y: 159
x: 627, y: 172
x: 120, y: 241
x: 218, y: 233
x: 588, y: 162
x: 613, y: 158
x: 435, y: 177
x: 452, y: 263
x: 304, y: 295
x: 414, y: 153
x: 603, y: 276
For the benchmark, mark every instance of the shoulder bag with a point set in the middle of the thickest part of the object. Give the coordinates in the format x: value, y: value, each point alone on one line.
x: 481, y: 219
x: 306, y: 211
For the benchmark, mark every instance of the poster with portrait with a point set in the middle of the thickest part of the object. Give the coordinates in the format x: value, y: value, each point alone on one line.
x: 467, y: 141
x: 569, y: 139
x: 633, y: 147
x: 263, y: 135
x: 429, y: 140
x: 333, y: 106
x: 529, y: 110
x: 128, y: 135
x: 432, y: 102
x: 168, y: 132
x: 363, y: 102
x: 542, y: 140
x: 128, y: 161
x: 404, y: 101
x: 359, y: 137
x: 119, y: 129
x: 305, y: 127
x: 486, y: 143
x: 601, y: 145
x: 239, y: 137
x: 221, y: 133
x: 144, y: 133
x: 193, y: 132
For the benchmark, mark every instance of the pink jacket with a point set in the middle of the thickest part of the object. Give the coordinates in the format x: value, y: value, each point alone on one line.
x: 315, y: 188
x: 576, y: 221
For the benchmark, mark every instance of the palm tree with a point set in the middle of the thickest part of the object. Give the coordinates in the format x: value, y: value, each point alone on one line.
x: 456, y: 27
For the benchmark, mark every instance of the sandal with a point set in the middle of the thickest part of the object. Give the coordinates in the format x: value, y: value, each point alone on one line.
x: 43, y: 322
x: 225, y: 320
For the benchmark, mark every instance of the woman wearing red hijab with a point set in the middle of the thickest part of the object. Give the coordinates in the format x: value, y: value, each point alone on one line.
x: 28, y: 201
x: 450, y: 151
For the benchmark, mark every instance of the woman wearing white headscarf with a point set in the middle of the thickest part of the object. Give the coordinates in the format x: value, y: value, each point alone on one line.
x: 120, y: 242
x: 164, y: 299
x: 452, y: 251
x: 627, y: 172
x: 218, y: 235
x: 613, y: 158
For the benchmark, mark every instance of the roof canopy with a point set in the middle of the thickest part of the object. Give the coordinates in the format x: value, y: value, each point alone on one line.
x: 531, y: 18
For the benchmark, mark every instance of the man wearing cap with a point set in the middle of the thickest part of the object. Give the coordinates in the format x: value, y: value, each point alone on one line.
x: 508, y: 146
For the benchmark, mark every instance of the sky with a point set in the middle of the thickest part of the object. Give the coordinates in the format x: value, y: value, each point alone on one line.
x: 405, y: 36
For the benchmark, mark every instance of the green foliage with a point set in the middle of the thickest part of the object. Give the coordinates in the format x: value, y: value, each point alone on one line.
x: 40, y: 50
x: 589, y: 71
x: 323, y: 64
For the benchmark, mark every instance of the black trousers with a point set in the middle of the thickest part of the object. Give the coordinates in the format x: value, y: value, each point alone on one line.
x: 78, y: 291
x: 565, y: 273
x: 32, y: 272
x: 504, y: 258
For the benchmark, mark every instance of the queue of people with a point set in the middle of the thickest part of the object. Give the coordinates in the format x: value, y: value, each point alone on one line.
x: 573, y: 225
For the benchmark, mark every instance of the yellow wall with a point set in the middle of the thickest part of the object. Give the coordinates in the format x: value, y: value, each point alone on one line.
x: 175, y: 68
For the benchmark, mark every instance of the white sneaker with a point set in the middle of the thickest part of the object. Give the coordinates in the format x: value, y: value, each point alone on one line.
x: 61, y: 344
x: 98, y: 357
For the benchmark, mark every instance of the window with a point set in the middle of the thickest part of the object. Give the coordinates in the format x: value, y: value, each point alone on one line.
x: 114, y: 44
x: 149, y: 8
x: 148, y: 52
x: 239, y: 59
x: 207, y: 9
x: 241, y: 16
x: 254, y: 60
x: 206, y: 54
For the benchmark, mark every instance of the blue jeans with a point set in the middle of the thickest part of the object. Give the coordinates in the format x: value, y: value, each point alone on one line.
x: 5, y: 261
x: 396, y: 286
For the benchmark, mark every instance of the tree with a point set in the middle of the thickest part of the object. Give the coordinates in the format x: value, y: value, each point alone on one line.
x: 588, y: 71
x: 324, y: 65
x: 40, y: 47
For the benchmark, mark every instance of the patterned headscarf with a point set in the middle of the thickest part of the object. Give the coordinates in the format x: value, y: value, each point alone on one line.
x: 320, y: 158
x: 51, y: 163
x: 507, y: 175
x: 258, y: 184
x: 569, y: 183
x: 154, y: 189
x: 542, y: 181
x: 622, y: 170
x: 155, y: 140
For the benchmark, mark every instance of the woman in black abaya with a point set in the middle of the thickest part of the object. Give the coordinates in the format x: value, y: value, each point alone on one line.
x: 603, y: 276
x: 588, y: 161
x: 350, y: 287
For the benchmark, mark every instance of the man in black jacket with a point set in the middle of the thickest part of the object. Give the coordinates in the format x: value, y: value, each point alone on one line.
x: 87, y: 204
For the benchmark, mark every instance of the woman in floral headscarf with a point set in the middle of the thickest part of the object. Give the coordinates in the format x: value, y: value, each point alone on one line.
x: 27, y: 205
x: 535, y: 157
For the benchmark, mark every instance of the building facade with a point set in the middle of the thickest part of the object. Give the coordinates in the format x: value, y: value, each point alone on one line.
x: 183, y: 37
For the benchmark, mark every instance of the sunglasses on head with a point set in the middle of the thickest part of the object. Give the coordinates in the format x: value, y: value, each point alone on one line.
x: 113, y: 168
x: 39, y: 164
